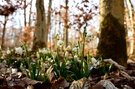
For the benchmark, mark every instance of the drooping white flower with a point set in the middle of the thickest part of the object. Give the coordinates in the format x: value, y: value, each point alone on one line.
x: 75, y: 56
x: 90, y: 35
x: 49, y: 59
x: 44, y: 51
x: 19, y: 50
x: 8, y: 51
x: 93, y: 60
x: 68, y: 48
x: 68, y: 62
x: 60, y: 43
x: 75, y: 49
x: 66, y: 54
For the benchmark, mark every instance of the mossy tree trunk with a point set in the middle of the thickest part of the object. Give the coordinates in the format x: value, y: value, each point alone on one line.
x: 40, y: 30
x: 112, y: 43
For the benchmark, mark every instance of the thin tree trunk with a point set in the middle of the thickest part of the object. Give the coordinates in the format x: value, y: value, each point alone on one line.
x: 40, y: 29
x: 25, y: 13
x: 66, y: 24
x: 48, y: 24
x: 30, y: 13
x: 112, y: 40
x: 4, y: 31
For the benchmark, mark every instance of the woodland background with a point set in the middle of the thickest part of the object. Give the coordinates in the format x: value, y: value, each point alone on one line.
x: 18, y: 19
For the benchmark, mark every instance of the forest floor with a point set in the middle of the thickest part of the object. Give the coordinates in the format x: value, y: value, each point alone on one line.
x: 117, y: 79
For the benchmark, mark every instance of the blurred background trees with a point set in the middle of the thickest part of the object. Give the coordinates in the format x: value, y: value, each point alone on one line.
x: 67, y: 18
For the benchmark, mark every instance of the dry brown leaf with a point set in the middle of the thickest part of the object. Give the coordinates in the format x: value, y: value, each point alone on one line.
x: 107, y: 84
x: 83, y: 83
x: 29, y: 81
x: 60, y: 83
x: 49, y: 73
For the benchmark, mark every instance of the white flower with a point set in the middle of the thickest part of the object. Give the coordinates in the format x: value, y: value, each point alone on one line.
x: 90, y: 35
x: 60, y: 43
x: 44, y: 51
x: 49, y: 59
x: 19, y: 50
x: 75, y: 56
x: 68, y: 47
x: 75, y: 49
x: 66, y: 54
x: 67, y: 62
x: 93, y: 60
x: 8, y: 51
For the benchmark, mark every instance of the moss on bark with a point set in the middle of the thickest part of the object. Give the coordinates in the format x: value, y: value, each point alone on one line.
x: 112, y: 42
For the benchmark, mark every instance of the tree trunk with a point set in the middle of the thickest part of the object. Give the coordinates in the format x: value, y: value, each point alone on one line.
x: 3, y: 33
x: 48, y: 24
x: 40, y: 29
x: 25, y: 23
x: 66, y: 25
x: 112, y: 43
x: 30, y: 13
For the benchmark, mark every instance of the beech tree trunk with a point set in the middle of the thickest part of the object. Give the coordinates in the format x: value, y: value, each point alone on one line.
x: 40, y: 30
x: 112, y: 43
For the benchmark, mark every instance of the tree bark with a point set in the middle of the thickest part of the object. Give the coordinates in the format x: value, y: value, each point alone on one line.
x: 25, y: 23
x: 30, y: 13
x: 40, y: 29
x: 3, y: 33
x: 48, y: 24
x: 112, y: 43
x: 66, y: 25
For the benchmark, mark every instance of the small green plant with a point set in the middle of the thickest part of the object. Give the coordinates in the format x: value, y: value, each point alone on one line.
x: 59, y: 67
x: 36, y: 71
x: 80, y: 69
x: 102, y: 68
x: 9, y: 54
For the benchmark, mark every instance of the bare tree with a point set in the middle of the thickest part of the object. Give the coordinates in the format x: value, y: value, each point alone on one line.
x: 6, y: 10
